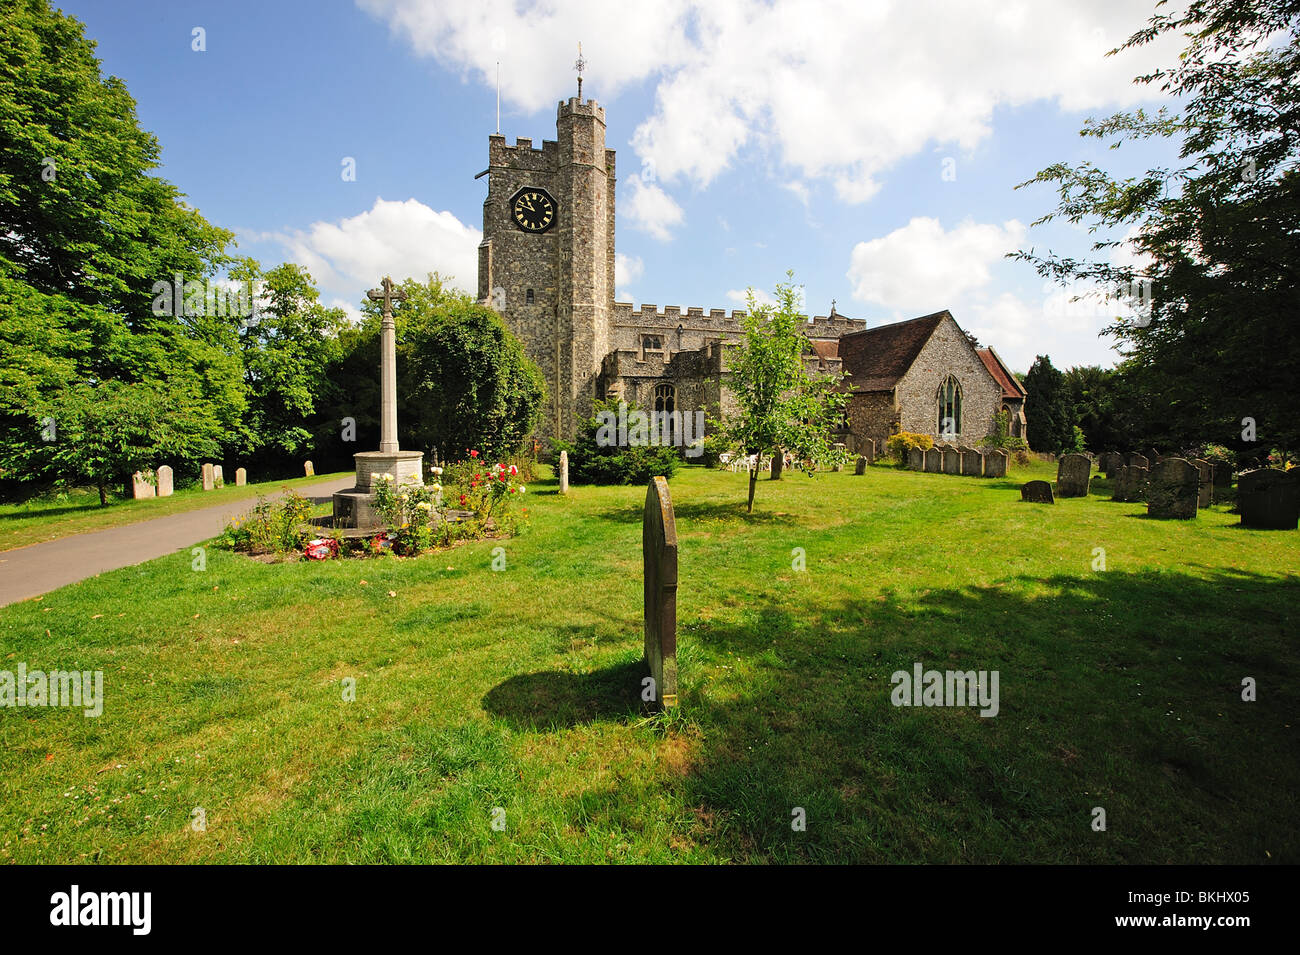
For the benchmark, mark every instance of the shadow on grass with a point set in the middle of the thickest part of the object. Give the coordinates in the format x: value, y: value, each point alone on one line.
x: 1121, y: 690
x: 557, y: 699
x: 732, y: 513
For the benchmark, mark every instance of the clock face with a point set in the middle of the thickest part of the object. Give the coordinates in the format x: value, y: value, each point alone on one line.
x: 532, y: 210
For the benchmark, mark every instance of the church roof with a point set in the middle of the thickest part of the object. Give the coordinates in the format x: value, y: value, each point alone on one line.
x: 825, y: 349
x: 1011, y: 388
x: 878, y: 357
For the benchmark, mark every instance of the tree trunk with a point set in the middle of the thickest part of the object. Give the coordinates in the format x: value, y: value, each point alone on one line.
x: 753, y: 483
x: 103, y: 496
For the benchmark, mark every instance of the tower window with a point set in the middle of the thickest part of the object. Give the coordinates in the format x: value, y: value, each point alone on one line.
x: 652, y: 343
x: 528, y: 297
x: 665, y: 405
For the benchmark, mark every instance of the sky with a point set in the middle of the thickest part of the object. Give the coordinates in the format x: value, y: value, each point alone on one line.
x: 871, y: 146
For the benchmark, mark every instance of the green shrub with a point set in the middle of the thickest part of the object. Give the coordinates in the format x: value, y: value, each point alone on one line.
x: 1002, y: 438
x: 271, y: 527
x: 900, y: 445
x: 595, y: 459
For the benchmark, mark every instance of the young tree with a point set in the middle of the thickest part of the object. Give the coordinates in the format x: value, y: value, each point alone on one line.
x: 779, y: 405
x: 1216, y: 338
x: 1049, y: 424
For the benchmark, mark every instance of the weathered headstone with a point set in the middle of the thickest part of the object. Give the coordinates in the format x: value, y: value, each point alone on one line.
x: 934, y: 460
x: 1171, y: 489
x: 972, y: 462
x: 218, y: 478
x: 564, y: 472
x: 995, y: 462
x: 861, y: 467
x: 1139, y: 461
x: 951, y: 460
x: 867, y: 448
x: 1111, y: 462
x: 165, y: 481
x: 1037, y: 492
x: 1119, y: 484
x: 308, y: 469
x: 778, y: 461
x: 1269, y: 498
x: 207, y: 477
x: 241, y: 477
x: 1222, y: 474
x: 659, y: 554
x: 141, y: 486
x: 1205, y: 482
x: 916, y: 459
x: 1153, y: 457
x: 1073, y: 472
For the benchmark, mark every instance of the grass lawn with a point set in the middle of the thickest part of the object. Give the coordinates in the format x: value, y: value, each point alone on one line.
x: 518, y: 689
x: 79, y: 511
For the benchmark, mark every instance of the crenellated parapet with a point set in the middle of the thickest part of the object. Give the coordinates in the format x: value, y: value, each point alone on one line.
x: 720, y: 320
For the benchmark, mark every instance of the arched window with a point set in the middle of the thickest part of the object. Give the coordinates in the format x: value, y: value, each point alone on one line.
x: 948, y: 425
x: 665, y: 405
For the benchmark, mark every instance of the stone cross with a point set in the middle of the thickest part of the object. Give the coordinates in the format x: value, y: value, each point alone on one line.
x: 659, y: 553
x: 387, y: 364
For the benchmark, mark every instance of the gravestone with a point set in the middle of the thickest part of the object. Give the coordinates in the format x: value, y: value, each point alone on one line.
x: 564, y: 472
x: 141, y: 486
x: 933, y: 460
x: 1110, y: 462
x: 951, y: 460
x: 218, y: 478
x: 778, y: 461
x: 972, y: 462
x: 659, y: 554
x: 1138, y: 482
x: 1073, y: 472
x: 916, y: 459
x: 1269, y: 499
x: 1153, y: 457
x: 867, y: 448
x: 1205, y: 482
x: 241, y: 477
x: 995, y: 463
x: 1222, y: 474
x: 308, y: 469
x: 861, y: 467
x: 1119, y: 484
x: 207, y: 477
x: 1172, y: 489
x: 1037, y: 492
x: 165, y: 481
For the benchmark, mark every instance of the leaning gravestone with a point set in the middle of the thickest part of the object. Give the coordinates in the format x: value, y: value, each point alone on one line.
x: 1205, y: 482
x: 995, y: 463
x: 972, y: 462
x: 207, y: 477
x: 951, y: 460
x: 861, y: 467
x: 308, y: 469
x: 867, y: 447
x: 1171, y: 489
x: 165, y: 481
x: 1072, y: 474
x: 1269, y: 499
x: 778, y: 460
x: 1037, y: 492
x: 916, y: 459
x: 241, y: 477
x: 141, y: 487
x: 218, y: 478
x: 659, y: 553
x: 934, y: 460
x: 564, y: 472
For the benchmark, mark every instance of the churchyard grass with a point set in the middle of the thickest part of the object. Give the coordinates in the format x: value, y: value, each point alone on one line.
x: 79, y: 512
x: 518, y: 690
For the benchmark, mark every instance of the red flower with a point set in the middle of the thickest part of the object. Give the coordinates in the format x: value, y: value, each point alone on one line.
x: 473, y: 454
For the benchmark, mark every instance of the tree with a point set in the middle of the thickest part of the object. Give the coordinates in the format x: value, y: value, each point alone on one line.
x: 596, y: 459
x: 1214, y: 339
x: 1049, y: 425
x: 779, y: 405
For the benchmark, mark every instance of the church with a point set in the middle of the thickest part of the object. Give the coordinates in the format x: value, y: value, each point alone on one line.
x: 546, y: 265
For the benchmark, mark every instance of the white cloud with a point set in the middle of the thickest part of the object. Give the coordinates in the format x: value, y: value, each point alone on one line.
x: 402, y: 239
x: 627, y: 269
x: 834, y: 89
x: 741, y: 297
x: 651, y: 209
x: 920, y: 268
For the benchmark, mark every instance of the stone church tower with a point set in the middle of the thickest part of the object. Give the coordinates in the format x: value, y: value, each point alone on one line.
x: 546, y: 262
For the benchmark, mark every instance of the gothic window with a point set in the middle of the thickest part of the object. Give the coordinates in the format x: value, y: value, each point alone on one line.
x: 652, y: 343
x: 528, y: 297
x: 665, y: 405
x: 949, y: 419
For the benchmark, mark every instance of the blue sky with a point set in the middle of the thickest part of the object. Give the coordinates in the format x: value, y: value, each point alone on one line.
x: 871, y: 147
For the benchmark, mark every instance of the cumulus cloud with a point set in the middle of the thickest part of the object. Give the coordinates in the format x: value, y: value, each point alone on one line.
x: 627, y: 269
x: 651, y: 209
x: 834, y: 89
x: 402, y: 239
x: 921, y: 267
x: 741, y: 297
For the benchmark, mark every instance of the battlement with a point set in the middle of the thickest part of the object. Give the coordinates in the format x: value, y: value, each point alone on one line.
x: 572, y: 107
x: 648, y: 315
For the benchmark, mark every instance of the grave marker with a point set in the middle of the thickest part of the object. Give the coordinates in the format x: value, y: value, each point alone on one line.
x: 972, y: 462
x: 916, y: 459
x: 995, y: 462
x: 1205, y: 482
x: 241, y: 477
x: 1037, y: 492
x: 308, y: 469
x: 1269, y: 498
x: 165, y: 481
x: 564, y: 472
x: 868, y: 450
x: 1172, y: 489
x: 207, y: 477
x: 861, y: 467
x: 934, y: 460
x: 140, y: 486
x: 218, y: 478
x: 1072, y: 474
x: 659, y: 555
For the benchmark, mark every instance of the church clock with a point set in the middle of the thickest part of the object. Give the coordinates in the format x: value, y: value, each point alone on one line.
x: 532, y: 209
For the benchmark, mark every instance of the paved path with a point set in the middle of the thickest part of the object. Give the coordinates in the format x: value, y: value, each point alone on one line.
x: 39, y: 568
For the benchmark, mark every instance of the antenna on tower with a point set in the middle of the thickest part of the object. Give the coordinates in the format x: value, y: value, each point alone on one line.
x: 498, y: 97
x: 580, y: 64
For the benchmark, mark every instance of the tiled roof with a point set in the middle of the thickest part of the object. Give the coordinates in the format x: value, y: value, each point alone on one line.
x: 878, y: 357
x: 826, y: 350
x: 1011, y: 388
